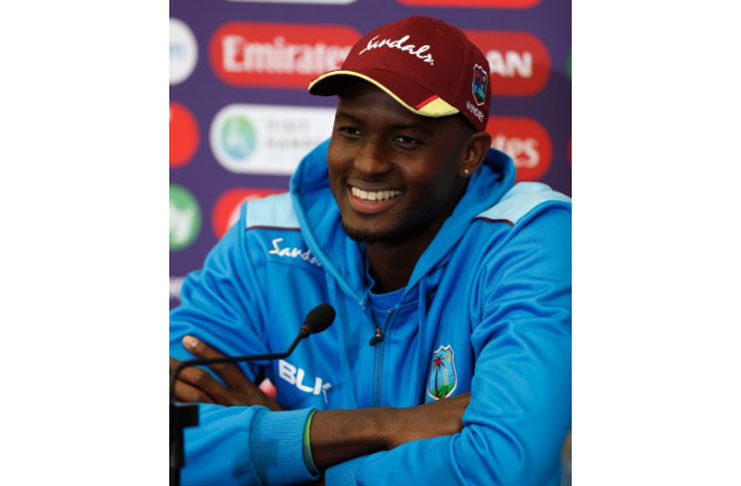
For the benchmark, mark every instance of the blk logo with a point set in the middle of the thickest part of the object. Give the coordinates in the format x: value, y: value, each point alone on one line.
x: 295, y: 376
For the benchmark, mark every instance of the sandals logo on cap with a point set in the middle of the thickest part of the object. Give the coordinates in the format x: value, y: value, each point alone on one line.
x: 480, y: 78
x: 374, y: 43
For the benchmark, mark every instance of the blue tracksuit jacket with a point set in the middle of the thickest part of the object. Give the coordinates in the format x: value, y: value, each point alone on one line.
x: 487, y: 310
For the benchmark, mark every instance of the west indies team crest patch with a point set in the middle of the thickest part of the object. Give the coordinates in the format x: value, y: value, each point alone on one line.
x: 480, y: 78
x: 442, y: 379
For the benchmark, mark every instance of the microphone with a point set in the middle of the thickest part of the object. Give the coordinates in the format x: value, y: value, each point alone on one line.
x: 317, y: 320
x: 186, y: 415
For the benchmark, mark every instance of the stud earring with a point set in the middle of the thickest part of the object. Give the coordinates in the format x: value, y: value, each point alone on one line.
x: 465, y: 171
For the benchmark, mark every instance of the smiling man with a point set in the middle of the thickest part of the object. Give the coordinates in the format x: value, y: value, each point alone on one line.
x: 396, y: 176
x: 450, y: 358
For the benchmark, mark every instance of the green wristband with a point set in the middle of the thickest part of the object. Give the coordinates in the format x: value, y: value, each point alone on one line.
x: 307, y: 446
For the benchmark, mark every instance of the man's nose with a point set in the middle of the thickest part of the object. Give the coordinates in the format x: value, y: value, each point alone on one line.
x: 372, y: 159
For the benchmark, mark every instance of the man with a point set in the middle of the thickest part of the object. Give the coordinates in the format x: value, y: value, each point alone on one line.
x: 449, y: 360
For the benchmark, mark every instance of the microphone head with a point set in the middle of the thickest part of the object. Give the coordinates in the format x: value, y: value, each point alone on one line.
x: 319, y: 318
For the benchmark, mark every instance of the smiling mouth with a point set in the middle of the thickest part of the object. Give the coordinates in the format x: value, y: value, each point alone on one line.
x: 374, y: 195
x: 370, y: 202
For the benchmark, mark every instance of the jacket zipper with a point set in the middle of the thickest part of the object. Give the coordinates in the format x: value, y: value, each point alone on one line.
x: 378, y: 368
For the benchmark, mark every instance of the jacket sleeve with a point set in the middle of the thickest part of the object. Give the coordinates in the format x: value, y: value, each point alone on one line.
x: 520, y: 408
x: 222, y: 305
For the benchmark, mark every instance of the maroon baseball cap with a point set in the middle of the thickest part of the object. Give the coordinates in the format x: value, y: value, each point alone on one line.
x: 428, y: 66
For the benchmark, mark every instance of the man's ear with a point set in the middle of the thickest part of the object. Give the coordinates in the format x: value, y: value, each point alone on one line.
x: 474, y: 153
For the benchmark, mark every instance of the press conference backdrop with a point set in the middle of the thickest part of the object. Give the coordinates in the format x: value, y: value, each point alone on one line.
x: 241, y: 118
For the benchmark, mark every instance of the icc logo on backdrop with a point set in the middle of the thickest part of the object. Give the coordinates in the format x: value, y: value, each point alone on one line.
x: 183, y: 51
x: 267, y: 139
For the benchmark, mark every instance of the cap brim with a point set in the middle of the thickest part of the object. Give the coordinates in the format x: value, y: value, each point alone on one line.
x: 406, y: 92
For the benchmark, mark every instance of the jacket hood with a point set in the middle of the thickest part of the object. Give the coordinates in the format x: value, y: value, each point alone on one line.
x: 321, y: 224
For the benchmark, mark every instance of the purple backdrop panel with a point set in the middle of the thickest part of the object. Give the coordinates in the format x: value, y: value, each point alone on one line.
x: 241, y: 118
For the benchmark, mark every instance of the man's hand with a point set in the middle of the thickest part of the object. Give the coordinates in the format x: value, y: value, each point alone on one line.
x: 433, y: 419
x: 336, y: 435
x: 197, y: 385
x: 340, y: 435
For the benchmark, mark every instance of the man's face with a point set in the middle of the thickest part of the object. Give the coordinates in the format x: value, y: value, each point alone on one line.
x: 393, y: 174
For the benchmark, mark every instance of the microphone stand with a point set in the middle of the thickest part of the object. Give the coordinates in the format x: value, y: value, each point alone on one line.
x: 186, y: 414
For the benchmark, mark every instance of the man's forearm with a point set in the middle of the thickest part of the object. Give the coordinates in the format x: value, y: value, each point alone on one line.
x: 341, y: 435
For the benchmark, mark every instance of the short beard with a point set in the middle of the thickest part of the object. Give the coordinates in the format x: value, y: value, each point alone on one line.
x: 396, y: 235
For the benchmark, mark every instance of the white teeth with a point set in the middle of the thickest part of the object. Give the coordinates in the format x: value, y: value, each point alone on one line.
x: 373, y: 195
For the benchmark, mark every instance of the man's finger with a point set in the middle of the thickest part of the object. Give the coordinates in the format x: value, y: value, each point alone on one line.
x: 186, y: 393
x: 202, y: 380
x: 174, y: 363
x: 230, y: 373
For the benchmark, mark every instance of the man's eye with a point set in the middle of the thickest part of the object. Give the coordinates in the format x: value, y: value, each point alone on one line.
x: 407, y: 141
x: 349, y: 131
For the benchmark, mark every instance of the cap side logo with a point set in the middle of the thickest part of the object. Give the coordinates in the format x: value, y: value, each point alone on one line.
x: 399, y: 44
x: 480, y: 79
